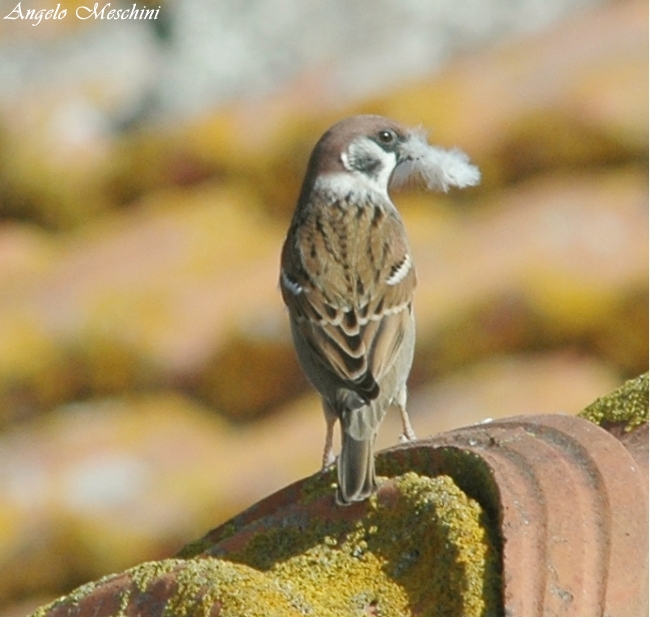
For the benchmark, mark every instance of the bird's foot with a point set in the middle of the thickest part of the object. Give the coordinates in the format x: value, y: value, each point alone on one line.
x: 329, y: 460
x: 407, y: 436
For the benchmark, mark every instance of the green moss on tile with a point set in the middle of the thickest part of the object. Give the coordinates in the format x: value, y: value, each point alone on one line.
x: 239, y: 590
x: 315, y: 486
x: 628, y: 405
x: 78, y: 595
x: 311, y: 488
x: 428, y: 552
x: 423, y: 551
x: 145, y: 574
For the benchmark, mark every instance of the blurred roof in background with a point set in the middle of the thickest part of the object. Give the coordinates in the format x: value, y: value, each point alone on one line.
x: 199, y: 53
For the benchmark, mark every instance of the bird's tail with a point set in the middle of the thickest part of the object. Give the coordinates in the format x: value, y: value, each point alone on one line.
x: 356, y: 470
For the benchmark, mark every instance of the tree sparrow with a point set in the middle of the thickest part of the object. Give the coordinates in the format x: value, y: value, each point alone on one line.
x: 347, y: 278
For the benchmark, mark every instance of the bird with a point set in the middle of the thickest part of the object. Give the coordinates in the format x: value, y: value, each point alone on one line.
x: 347, y: 278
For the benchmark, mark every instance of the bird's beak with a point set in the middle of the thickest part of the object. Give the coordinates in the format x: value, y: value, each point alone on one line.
x: 437, y: 167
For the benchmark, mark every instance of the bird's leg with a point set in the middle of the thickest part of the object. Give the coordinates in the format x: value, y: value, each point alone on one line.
x: 408, y: 434
x: 328, y: 451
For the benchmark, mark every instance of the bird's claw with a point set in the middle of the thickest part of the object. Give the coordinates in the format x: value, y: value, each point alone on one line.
x: 328, y: 463
x: 407, y: 437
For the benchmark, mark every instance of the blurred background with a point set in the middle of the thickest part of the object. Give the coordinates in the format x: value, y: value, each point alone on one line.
x: 148, y: 172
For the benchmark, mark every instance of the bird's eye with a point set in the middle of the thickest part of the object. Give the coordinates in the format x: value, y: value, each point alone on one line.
x: 386, y: 136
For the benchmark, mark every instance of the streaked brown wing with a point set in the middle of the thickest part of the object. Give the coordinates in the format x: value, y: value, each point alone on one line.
x: 348, y: 282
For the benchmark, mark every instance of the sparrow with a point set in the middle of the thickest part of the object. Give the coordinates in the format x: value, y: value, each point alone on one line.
x: 347, y: 278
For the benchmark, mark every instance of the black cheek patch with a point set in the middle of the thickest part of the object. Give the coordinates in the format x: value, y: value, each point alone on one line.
x: 366, y: 164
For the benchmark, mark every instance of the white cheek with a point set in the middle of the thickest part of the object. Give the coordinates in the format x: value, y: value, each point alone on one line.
x: 366, y: 149
x: 388, y: 165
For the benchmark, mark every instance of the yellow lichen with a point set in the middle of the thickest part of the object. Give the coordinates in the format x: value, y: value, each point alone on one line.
x: 628, y: 405
x: 427, y: 554
x: 424, y: 552
x: 145, y: 574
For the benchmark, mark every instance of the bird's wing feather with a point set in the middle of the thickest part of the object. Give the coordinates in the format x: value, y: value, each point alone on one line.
x: 348, y: 281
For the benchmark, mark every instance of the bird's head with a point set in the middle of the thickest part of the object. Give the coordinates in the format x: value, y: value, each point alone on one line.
x: 370, y: 153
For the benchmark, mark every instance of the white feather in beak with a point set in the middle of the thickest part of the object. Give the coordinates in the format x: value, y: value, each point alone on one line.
x: 437, y: 167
